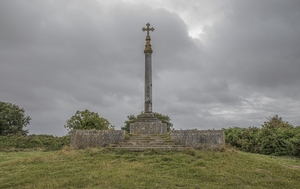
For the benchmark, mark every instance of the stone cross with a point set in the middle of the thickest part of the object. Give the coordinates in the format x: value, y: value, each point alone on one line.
x: 148, y: 71
x: 148, y: 29
x: 147, y: 123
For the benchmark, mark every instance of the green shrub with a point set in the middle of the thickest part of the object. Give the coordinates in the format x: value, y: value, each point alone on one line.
x: 271, y: 140
x: 46, y: 142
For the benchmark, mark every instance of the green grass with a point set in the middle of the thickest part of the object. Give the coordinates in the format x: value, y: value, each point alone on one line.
x: 101, y: 168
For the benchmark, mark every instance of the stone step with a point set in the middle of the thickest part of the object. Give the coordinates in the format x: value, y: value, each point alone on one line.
x: 137, y: 140
x: 147, y: 138
x: 150, y: 146
x: 144, y: 148
x: 154, y: 145
x: 147, y: 135
x: 144, y: 144
x: 147, y: 141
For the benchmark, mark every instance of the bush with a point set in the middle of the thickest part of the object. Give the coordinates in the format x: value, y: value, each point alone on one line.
x: 276, y: 137
x: 86, y: 120
x: 45, y: 142
x: 269, y: 141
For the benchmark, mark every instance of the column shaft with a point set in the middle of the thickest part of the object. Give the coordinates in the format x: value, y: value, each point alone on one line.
x: 148, y: 83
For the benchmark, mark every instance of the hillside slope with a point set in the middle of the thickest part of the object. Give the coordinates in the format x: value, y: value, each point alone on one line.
x: 101, y: 168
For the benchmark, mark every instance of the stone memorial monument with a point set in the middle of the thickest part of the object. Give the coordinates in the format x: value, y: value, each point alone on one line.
x: 147, y: 123
x: 149, y: 132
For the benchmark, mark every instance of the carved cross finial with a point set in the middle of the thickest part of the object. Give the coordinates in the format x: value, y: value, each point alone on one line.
x: 148, y: 29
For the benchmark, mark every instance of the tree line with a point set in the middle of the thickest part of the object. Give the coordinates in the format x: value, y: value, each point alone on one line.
x: 274, y: 137
x: 13, y: 120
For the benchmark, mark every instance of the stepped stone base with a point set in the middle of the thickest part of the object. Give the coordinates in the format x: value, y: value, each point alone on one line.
x: 142, y: 142
x: 148, y: 128
x: 148, y: 124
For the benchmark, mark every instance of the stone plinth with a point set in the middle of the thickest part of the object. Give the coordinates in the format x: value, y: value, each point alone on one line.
x: 148, y: 128
x: 148, y: 124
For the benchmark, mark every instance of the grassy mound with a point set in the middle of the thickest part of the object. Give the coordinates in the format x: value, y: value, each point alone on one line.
x: 101, y: 168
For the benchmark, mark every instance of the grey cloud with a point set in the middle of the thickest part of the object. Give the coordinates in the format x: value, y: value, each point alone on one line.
x: 58, y: 57
x: 258, y: 43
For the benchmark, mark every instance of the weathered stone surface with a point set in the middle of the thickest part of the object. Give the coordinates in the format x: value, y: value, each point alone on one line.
x: 148, y: 83
x: 142, y: 142
x: 148, y: 117
x: 147, y: 123
x: 211, y: 139
x: 95, y: 138
x: 148, y: 128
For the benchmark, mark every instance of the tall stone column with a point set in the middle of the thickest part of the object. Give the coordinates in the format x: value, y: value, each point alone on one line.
x: 148, y: 71
x: 148, y: 123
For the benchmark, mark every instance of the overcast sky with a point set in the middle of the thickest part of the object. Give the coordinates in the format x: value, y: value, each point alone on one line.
x: 216, y: 64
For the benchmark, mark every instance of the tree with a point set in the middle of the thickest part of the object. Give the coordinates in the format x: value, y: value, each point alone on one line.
x: 276, y: 122
x: 12, y: 119
x: 132, y: 118
x: 86, y: 120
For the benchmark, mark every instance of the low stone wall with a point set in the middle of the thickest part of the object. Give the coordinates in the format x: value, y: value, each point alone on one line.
x: 95, y: 138
x: 211, y: 139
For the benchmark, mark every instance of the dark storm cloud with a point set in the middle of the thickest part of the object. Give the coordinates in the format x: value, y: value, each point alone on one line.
x: 57, y: 57
x: 258, y: 42
x: 249, y: 68
x: 254, y: 49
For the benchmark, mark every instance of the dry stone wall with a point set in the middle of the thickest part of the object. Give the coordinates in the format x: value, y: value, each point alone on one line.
x: 211, y: 139
x: 95, y: 138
